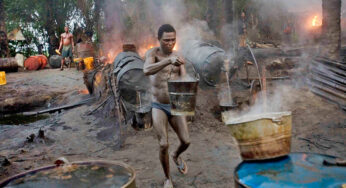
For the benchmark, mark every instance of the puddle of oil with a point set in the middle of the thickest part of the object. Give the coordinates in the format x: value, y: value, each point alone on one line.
x: 20, y: 119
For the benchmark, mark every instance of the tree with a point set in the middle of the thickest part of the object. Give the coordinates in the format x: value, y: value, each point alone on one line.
x: 4, y: 51
x: 331, y: 29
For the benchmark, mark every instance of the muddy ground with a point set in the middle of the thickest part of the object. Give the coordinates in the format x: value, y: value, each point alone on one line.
x: 318, y: 126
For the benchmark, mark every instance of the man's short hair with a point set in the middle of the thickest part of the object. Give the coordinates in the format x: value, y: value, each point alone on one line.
x: 165, y: 28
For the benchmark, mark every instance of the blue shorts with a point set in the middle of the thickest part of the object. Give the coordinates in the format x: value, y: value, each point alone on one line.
x: 166, y: 108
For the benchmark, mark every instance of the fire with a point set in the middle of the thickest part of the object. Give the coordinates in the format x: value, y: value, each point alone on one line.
x: 83, y: 91
x: 175, y: 47
x: 316, y: 21
x: 110, y: 56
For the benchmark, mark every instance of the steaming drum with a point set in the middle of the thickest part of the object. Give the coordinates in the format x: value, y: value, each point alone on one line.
x: 133, y: 85
x: 206, y: 58
x: 294, y: 170
x: 77, y: 174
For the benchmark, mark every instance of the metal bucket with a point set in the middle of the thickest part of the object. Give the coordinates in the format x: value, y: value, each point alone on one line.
x: 76, y: 174
x: 142, y: 120
x: 182, y: 96
x: 262, y: 136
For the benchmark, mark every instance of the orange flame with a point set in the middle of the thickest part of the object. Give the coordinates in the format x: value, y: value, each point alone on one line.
x: 110, y: 56
x: 83, y: 91
x: 316, y: 22
x: 175, y: 47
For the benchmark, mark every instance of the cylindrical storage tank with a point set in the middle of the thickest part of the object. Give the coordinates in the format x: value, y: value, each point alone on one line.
x: 206, y: 58
x: 8, y: 64
x: 55, y: 61
x: 32, y: 63
x: 85, y: 50
x: 76, y: 174
x: 133, y: 86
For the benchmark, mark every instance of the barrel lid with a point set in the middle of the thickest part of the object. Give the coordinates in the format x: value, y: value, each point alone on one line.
x: 254, y: 117
x: 294, y: 170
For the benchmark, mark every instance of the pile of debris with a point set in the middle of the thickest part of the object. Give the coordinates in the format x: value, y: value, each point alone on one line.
x: 328, y: 79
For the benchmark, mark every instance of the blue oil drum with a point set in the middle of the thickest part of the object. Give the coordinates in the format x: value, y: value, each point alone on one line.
x: 294, y: 170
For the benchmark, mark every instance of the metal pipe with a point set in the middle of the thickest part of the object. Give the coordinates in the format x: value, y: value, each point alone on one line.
x: 258, y: 72
x: 329, y: 83
x: 328, y: 74
x: 330, y: 90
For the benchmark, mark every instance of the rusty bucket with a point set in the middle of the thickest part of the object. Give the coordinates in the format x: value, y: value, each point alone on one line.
x: 182, y: 96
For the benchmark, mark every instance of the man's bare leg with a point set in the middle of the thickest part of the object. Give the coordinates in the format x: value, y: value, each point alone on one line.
x: 62, y: 63
x: 160, y: 124
x: 179, y: 125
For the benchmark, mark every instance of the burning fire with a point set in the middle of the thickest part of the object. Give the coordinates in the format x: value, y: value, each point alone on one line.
x: 111, y: 56
x: 175, y: 47
x: 316, y: 22
x: 83, y: 91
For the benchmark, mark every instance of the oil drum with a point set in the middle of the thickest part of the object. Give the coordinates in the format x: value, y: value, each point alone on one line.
x: 55, y: 61
x: 133, y: 86
x: 294, y: 170
x: 207, y: 59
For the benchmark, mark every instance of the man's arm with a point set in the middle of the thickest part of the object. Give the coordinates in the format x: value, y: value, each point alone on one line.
x: 150, y: 67
x: 60, y: 42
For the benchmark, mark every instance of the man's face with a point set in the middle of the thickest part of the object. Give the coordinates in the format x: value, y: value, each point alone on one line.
x: 66, y: 29
x: 167, y: 42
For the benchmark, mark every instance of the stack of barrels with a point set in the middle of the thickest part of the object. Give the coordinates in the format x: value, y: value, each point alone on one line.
x: 35, y: 62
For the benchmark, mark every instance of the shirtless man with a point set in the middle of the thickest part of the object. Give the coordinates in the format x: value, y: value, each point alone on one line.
x: 67, y: 45
x: 162, y: 64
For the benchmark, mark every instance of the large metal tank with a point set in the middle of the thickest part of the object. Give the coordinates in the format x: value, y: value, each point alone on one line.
x: 55, y: 61
x: 207, y: 59
x: 133, y: 86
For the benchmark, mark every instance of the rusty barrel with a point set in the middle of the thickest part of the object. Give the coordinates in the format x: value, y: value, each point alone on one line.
x: 207, y: 59
x: 85, y: 50
x: 76, y: 174
x: 182, y: 96
x: 8, y: 64
x: 262, y: 136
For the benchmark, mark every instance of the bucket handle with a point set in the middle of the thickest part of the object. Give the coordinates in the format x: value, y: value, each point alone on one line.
x: 193, y: 68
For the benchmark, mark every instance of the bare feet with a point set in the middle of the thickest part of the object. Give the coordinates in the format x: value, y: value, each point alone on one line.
x: 168, y: 184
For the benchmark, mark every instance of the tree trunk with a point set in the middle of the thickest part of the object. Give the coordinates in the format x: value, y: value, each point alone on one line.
x: 211, y: 16
x: 331, y: 30
x: 4, y: 50
x: 229, y: 11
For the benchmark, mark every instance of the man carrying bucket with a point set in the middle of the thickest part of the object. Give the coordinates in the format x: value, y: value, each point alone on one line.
x: 163, y: 64
x: 67, y: 45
